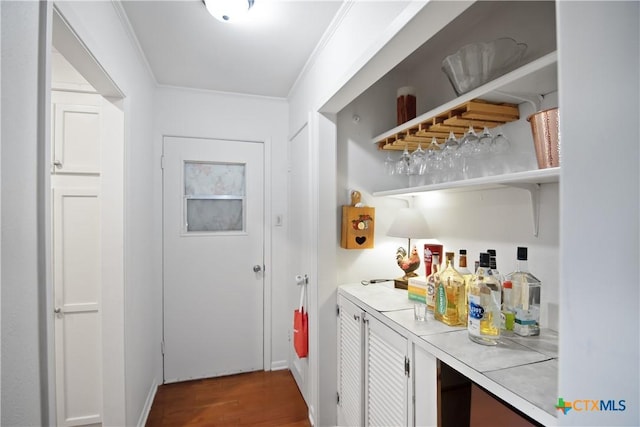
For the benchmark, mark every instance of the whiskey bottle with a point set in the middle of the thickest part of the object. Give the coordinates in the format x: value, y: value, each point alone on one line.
x: 525, y: 297
x: 432, y: 281
x: 449, y: 296
x: 484, y: 305
x: 466, y: 275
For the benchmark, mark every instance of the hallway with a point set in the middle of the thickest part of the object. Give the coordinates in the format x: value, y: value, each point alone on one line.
x: 252, y: 399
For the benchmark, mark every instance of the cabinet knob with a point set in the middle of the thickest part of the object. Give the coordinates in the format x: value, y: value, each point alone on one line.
x: 356, y: 317
x: 57, y: 164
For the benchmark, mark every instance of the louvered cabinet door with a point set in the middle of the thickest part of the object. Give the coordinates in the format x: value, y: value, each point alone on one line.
x: 350, y: 364
x: 386, y: 372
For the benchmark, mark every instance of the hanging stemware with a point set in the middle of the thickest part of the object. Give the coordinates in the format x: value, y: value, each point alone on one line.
x: 467, y: 150
x: 404, y: 163
x: 449, y: 158
x: 389, y: 165
x: 417, y: 161
x: 483, y: 154
x: 433, y: 161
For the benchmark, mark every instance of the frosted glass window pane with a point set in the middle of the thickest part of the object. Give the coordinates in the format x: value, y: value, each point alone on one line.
x: 215, y: 196
x: 213, y: 179
x: 214, y: 215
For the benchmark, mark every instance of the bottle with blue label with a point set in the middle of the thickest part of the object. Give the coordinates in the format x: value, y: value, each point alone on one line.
x: 485, y: 294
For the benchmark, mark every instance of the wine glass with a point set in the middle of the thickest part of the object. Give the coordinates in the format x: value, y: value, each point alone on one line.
x: 449, y: 158
x: 390, y: 165
x: 500, y: 148
x: 483, y: 153
x: 416, y: 165
x: 403, y: 164
x: 467, y: 150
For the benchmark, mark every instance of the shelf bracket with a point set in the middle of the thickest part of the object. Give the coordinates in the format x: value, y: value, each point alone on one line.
x: 534, y: 193
x: 534, y: 100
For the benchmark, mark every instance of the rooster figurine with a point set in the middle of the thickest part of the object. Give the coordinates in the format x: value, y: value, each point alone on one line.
x: 408, y: 264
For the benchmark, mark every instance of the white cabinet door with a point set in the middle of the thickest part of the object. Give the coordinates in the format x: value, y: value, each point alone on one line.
x: 386, y: 375
x: 350, y: 364
x: 77, y: 282
x: 384, y: 379
x: 76, y: 133
x: 424, y: 385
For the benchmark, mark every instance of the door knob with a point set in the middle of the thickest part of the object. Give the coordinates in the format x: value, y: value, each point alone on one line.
x: 57, y: 310
x: 257, y: 268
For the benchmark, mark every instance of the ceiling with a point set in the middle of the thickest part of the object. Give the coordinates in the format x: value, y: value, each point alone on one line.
x: 262, y: 55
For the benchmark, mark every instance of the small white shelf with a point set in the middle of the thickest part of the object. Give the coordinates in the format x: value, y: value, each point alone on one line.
x: 528, y: 180
x: 518, y: 179
x: 525, y: 84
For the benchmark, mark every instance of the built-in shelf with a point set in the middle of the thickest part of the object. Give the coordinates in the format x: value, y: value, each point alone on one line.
x: 525, y: 84
x: 528, y: 83
x: 517, y: 179
x: 528, y: 180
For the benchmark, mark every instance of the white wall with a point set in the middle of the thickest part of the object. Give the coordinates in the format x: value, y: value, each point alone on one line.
x: 363, y: 29
x: 599, y: 224
x: 205, y: 114
x: 354, y: 38
x: 22, y: 402
x: 99, y: 26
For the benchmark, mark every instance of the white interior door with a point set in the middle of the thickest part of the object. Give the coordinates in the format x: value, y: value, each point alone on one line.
x: 77, y: 282
x: 213, y: 207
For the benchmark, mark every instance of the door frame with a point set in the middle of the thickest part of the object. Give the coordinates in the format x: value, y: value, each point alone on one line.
x: 57, y: 29
x: 267, y: 243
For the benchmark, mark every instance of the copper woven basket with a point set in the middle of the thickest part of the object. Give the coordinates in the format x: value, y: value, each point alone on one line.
x: 545, y: 126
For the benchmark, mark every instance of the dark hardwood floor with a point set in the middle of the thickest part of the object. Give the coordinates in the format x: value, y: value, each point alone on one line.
x: 251, y: 399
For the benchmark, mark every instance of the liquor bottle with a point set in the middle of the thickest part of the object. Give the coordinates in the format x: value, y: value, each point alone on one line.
x: 508, y: 311
x: 432, y: 281
x: 484, y: 305
x: 526, y: 297
x: 449, y: 297
x: 493, y: 265
x: 466, y: 275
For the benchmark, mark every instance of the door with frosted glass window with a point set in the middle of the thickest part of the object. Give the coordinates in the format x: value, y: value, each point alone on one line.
x: 213, y: 230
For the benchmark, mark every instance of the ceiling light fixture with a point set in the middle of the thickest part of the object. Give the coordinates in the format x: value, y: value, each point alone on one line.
x: 228, y: 10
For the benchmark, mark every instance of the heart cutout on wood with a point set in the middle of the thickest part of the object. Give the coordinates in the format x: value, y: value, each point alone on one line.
x: 360, y: 240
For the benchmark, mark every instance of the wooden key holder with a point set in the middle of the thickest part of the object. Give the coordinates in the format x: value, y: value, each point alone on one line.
x: 357, y: 224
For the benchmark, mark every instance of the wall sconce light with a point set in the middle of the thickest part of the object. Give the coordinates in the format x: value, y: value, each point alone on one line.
x: 228, y: 10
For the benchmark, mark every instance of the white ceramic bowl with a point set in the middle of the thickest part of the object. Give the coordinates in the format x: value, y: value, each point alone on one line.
x: 478, y: 63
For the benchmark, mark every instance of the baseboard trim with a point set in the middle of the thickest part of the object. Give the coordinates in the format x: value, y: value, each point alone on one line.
x: 146, y: 410
x: 279, y: 365
x: 311, y: 416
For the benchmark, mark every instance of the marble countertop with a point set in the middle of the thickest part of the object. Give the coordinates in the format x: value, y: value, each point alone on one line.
x: 522, y: 371
x: 380, y: 296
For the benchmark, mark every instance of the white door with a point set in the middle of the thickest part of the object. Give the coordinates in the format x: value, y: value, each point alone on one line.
x: 298, y: 240
x: 213, y: 207
x: 77, y: 289
x: 77, y: 257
